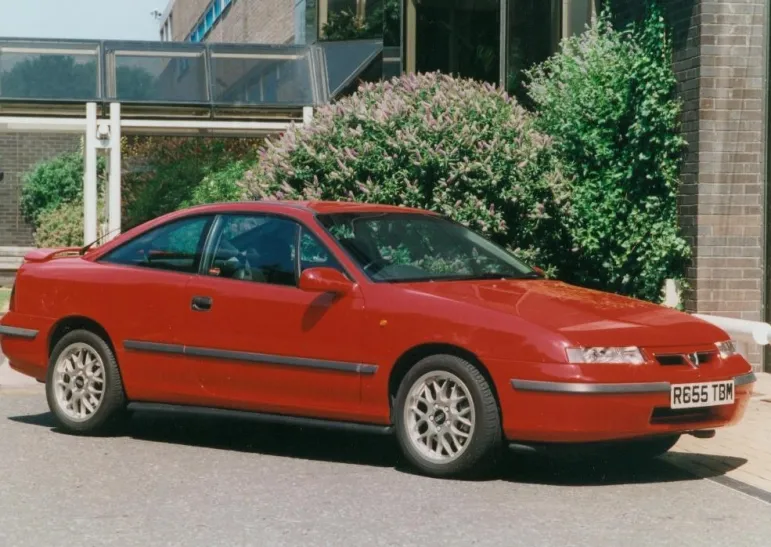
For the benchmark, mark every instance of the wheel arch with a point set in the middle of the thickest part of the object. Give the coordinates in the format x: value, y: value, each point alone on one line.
x: 77, y: 322
x: 414, y: 355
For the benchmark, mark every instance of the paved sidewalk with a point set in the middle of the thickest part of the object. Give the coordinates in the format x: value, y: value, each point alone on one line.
x: 12, y: 380
x: 741, y: 453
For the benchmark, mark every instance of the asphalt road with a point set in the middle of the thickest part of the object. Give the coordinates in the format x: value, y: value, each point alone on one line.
x: 189, y: 480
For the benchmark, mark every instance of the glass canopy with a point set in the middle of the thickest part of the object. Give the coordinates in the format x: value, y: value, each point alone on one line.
x: 180, y: 74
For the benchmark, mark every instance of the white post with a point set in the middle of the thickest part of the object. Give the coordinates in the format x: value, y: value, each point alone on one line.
x: 307, y: 115
x: 89, y: 178
x: 113, y: 192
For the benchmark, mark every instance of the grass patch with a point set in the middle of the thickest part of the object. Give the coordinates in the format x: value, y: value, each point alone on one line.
x: 5, y: 296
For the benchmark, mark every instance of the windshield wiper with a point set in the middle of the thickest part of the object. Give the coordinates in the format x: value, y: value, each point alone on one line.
x: 494, y: 275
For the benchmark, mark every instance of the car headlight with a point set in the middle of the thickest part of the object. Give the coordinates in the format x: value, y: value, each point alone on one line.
x: 727, y: 349
x: 618, y: 356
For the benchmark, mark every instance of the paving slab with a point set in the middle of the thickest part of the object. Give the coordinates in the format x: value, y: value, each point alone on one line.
x: 742, y: 452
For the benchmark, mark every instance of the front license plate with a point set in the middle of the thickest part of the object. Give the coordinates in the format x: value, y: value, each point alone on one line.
x: 702, y: 394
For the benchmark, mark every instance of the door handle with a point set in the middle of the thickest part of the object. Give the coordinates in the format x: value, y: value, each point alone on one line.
x: 201, y: 303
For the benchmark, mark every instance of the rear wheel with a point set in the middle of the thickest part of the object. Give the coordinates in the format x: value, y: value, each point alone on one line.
x: 446, y: 417
x: 83, y: 387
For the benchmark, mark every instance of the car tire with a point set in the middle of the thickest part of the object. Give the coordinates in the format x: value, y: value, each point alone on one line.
x: 436, y: 438
x: 642, y: 450
x: 83, y: 385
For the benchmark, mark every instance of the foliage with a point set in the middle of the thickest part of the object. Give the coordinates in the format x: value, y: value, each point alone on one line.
x: 381, y: 21
x: 458, y: 147
x: 608, y: 99
x: 53, y: 182
x: 220, y: 185
x: 163, y: 174
x: 63, y: 226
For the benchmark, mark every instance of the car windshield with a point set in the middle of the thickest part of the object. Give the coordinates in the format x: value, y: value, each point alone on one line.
x: 402, y: 247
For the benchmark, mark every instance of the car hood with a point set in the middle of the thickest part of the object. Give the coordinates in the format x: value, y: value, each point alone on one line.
x: 582, y: 316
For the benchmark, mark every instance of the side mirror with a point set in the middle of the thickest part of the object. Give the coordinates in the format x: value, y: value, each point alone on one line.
x: 326, y: 280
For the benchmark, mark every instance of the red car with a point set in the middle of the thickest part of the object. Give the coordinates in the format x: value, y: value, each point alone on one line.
x: 363, y: 317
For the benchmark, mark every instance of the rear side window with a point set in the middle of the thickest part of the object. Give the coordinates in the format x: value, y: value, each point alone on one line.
x: 176, y: 246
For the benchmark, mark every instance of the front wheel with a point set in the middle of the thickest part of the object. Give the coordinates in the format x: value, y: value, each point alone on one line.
x: 446, y: 417
x: 83, y: 387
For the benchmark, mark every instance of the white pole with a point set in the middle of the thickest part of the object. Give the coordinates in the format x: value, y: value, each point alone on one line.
x: 307, y: 115
x: 113, y: 206
x: 89, y: 178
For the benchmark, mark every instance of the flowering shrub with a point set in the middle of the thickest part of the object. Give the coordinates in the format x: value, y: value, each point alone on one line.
x: 458, y: 147
x: 608, y: 99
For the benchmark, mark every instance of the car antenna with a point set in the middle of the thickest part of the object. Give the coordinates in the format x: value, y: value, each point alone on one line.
x: 85, y: 248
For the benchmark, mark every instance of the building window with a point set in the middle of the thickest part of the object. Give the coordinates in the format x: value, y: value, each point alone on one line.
x: 354, y: 19
x: 166, y: 31
x: 533, y: 34
x: 459, y: 38
x: 213, y: 13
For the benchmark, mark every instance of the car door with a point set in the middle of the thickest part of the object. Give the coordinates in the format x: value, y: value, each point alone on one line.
x: 143, y: 290
x: 261, y: 343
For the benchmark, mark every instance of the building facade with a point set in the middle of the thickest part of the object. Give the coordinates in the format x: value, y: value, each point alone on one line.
x: 491, y: 40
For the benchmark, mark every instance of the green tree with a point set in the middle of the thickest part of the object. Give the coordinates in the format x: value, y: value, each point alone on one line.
x: 54, y: 182
x: 608, y: 99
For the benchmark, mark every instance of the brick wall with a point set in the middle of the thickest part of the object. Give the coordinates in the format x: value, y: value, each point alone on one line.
x: 729, y: 267
x: 245, y: 21
x: 720, y: 63
x: 19, y: 152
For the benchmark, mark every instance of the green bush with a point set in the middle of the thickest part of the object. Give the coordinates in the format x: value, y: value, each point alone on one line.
x: 458, y: 147
x: 62, y: 226
x: 220, y: 185
x: 163, y: 174
x: 54, y: 182
x: 608, y: 100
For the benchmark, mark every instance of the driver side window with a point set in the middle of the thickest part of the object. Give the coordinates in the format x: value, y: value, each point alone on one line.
x: 258, y: 248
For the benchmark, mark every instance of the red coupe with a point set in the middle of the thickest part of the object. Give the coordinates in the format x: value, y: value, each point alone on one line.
x: 363, y: 317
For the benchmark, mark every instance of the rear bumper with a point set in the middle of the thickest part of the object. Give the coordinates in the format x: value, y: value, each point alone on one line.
x: 553, y: 410
x: 24, y: 341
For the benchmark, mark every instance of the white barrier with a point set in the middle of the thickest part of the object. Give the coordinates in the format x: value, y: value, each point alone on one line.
x: 741, y: 330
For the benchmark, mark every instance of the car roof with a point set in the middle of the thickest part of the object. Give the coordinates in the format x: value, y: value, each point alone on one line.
x: 320, y: 207
x: 291, y: 208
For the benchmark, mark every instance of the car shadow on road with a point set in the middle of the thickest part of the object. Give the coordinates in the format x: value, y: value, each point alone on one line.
x: 596, y: 471
x: 382, y: 451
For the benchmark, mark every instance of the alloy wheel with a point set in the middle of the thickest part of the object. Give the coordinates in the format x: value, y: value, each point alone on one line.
x: 439, y: 416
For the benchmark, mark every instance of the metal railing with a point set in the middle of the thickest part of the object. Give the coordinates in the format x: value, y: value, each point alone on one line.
x: 202, y: 78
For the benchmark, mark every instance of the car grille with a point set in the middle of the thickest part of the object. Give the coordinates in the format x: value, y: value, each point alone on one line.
x: 666, y: 415
x: 698, y: 358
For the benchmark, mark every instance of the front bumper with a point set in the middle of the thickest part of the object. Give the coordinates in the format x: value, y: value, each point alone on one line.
x: 552, y: 403
x: 618, y: 388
